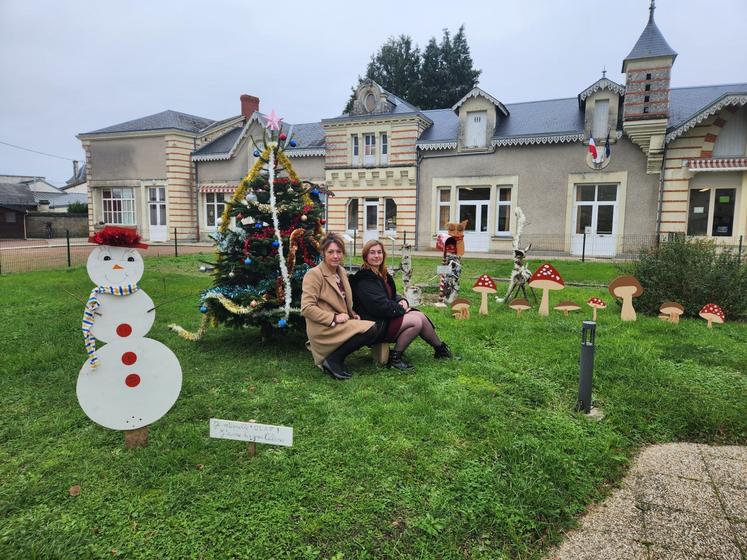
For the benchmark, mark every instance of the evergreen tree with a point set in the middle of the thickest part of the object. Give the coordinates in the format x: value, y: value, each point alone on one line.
x: 268, y: 237
x: 437, y: 79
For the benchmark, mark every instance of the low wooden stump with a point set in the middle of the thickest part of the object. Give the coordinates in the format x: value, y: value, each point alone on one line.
x: 136, y: 438
x: 380, y: 353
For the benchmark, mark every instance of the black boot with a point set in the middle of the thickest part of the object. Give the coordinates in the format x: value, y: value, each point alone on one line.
x: 335, y: 362
x: 336, y: 370
x: 396, y: 361
x: 442, y: 351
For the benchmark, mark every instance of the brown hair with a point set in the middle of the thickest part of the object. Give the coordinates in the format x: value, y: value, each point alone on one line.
x: 330, y: 238
x: 364, y: 253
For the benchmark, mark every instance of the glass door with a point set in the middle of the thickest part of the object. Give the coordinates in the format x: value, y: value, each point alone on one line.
x: 157, y: 213
x: 474, y: 205
x: 371, y: 225
x: 595, y: 214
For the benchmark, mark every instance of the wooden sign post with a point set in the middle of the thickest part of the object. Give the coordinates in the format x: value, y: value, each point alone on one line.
x: 251, y: 432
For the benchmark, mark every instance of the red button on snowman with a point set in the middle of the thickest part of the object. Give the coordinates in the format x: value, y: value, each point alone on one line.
x: 132, y: 381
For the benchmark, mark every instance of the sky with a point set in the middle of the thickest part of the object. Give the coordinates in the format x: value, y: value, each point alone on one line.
x: 72, y: 66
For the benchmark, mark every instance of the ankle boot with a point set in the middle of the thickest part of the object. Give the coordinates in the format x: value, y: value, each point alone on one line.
x: 442, y: 351
x: 396, y: 361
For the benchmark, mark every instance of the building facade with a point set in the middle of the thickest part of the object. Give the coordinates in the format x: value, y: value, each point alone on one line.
x: 669, y: 160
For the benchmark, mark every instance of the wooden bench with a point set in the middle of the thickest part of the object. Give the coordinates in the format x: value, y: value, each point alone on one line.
x: 380, y: 353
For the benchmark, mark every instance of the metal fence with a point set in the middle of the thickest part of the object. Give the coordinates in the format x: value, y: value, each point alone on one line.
x: 38, y: 254
x: 43, y: 254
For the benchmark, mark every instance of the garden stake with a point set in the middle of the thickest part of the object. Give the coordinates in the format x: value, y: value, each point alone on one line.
x: 586, y: 366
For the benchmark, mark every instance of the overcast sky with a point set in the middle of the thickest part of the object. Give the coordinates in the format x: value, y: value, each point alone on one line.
x: 71, y: 66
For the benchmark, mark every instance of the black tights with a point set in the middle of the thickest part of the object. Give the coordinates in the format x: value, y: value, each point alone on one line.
x: 354, y: 343
x: 415, y: 324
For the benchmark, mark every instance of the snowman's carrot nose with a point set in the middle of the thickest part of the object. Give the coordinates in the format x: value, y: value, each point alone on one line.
x: 117, y: 267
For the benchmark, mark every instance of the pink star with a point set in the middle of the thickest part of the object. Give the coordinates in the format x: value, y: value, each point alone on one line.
x: 273, y: 121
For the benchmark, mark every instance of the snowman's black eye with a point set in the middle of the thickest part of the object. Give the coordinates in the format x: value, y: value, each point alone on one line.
x: 130, y: 259
x: 107, y: 258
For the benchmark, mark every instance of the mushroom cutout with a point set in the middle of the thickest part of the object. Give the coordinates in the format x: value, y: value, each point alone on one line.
x: 712, y: 313
x: 460, y: 308
x: 596, y: 303
x: 566, y: 307
x: 546, y: 278
x: 484, y: 286
x: 672, y: 311
x: 519, y: 305
x: 626, y: 287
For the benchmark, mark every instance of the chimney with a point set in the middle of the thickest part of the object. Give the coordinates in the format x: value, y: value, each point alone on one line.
x: 75, y: 169
x: 249, y: 104
x: 42, y: 206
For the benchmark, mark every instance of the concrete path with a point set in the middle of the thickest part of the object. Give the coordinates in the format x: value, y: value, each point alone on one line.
x: 680, y: 501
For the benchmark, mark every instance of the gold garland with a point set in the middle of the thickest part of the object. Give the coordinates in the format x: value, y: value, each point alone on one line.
x: 240, y: 191
x: 193, y: 336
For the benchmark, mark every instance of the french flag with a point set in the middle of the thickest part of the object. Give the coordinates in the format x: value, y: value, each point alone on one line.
x: 593, y: 149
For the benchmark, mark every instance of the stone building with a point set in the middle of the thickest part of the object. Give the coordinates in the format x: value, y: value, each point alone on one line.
x: 669, y: 160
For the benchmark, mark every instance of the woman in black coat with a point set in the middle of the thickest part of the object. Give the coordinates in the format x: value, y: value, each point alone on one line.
x: 375, y: 298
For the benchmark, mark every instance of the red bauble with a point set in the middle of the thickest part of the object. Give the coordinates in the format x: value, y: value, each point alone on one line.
x: 282, y: 137
x: 322, y: 221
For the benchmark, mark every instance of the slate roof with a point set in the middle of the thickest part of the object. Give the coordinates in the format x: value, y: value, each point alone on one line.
x: 685, y: 103
x: 77, y: 178
x: 401, y: 107
x: 220, y: 145
x: 159, y: 121
x: 650, y: 44
x: 16, y: 195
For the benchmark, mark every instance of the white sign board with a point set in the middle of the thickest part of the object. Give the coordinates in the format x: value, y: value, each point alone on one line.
x: 443, y: 269
x: 251, y: 431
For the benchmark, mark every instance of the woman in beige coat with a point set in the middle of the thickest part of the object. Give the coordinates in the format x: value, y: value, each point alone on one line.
x: 333, y: 328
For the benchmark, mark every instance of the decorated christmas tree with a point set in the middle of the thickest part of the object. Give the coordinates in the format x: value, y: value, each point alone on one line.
x: 267, y: 238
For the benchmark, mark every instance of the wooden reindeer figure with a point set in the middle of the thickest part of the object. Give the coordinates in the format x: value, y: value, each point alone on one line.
x: 520, y: 273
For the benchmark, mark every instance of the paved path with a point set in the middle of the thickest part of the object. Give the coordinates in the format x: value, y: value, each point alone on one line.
x: 680, y: 501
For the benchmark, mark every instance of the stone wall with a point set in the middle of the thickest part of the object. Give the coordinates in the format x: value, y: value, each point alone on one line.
x: 36, y: 224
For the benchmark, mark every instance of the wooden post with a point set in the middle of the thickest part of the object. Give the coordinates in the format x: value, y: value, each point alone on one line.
x: 251, y: 447
x: 136, y: 438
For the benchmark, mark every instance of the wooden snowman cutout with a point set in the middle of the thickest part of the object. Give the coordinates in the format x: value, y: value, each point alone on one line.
x: 132, y: 381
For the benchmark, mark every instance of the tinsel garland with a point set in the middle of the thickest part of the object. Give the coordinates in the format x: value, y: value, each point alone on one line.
x: 193, y: 336
x: 278, y: 236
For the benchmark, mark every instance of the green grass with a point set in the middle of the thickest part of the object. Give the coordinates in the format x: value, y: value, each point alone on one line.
x: 481, y: 457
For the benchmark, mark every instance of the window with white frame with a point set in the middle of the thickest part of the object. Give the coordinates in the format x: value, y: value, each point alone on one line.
x: 444, y: 208
x: 390, y: 214
x: 369, y: 149
x: 351, y: 222
x: 119, y: 205
x: 711, y: 210
x: 503, y: 216
x: 354, y: 149
x: 214, y: 206
x: 601, y: 118
x: 476, y: 134
x: 384, y: 148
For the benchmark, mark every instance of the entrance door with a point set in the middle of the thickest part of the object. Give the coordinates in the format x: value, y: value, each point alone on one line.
x: 474, y: 204
x: 371, y: 225
x: 157, y: 213
x: 595, y: 212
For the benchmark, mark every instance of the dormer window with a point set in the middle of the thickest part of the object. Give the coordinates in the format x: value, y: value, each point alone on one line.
x: 601, y: 118
x: 475, y: 135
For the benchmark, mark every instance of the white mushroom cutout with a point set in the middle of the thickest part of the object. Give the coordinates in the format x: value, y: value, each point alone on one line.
x: 626, y: 288
x: 712, y: 313
x: 671, y: 311
x: 596, y: 303
x: 519, y: 305
x: 566, y: 307
x: 546, y: 278
x: 484, y: 286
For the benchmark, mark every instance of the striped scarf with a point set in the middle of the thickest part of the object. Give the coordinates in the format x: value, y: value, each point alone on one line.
x: 89, y: 313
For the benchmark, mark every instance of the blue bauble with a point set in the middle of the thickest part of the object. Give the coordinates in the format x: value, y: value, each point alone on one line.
x: 203, y: 309
x: 282, y: 323
x: 258, y: 225
x: 292, y: 143
x: 256, y: 153
x: 315, y: 191
x: 247, y: 261
x: 276, y: 244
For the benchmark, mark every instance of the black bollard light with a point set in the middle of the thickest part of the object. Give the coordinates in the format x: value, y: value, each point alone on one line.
x: 586, y: 366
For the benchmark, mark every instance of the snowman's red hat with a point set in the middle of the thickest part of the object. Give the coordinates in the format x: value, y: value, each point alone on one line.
x: 118, y: 237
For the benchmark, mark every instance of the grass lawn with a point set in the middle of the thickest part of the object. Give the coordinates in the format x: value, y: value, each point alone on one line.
x: 481, y: 457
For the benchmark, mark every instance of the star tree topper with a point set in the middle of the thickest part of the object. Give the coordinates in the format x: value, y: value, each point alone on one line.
x: 273, y: 121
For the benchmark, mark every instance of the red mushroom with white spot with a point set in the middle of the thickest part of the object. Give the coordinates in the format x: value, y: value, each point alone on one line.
x: 712, y: 313
x: 596, y: 303
x: 546, y: 278
x: 484, y: 286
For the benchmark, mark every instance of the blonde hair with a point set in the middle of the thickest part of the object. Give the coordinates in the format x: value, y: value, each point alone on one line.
x: 382, y: 271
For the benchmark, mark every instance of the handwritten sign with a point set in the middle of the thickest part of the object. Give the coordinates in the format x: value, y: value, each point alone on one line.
x: 251, y: 431
x: 443, y: 269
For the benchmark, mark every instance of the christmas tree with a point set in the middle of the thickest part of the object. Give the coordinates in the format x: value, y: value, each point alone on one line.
x: 268, y: 237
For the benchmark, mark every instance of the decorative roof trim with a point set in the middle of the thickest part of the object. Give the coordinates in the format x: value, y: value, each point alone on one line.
x: 212, y: 157
x: 601, y: 84
x: 529, y: 140
x: 477, y: 92
x: 220, y: 188
x: 717, y: 164
x: 232, y: 151
x: 728, y: 99
x: 437, y: 145
x: 306, y: 152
